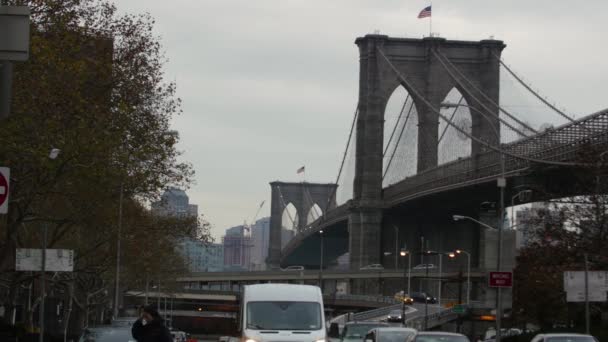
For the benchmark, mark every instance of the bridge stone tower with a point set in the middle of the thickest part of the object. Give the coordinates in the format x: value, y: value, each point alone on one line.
x: 417, y: 61
x: 303, y: 196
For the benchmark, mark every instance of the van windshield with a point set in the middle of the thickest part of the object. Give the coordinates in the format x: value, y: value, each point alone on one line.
x: 283, y: 316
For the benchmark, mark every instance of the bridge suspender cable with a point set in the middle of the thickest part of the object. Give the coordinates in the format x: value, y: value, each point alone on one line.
x: 396, y: 125
x: 293, y: 222
x: 348, y: 141
x: 409, y: 112
x: 451, y: 118
x: 407, y: 85
x: 532, y: 91
x: 443, y: 63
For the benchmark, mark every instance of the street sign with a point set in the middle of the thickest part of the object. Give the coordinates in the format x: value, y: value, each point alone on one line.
x: 574, y: 285
x: 16, y: 20
x: 57, y: 260
x: 5, y: 174
x: 575, y: 280
x: 579, y: 296
x: 501, y: 279
x: 459, y: 308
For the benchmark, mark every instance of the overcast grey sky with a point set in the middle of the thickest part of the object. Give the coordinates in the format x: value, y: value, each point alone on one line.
x: 271, y: 85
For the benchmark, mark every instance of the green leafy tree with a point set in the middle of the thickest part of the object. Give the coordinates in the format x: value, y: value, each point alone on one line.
x: 94, y: 88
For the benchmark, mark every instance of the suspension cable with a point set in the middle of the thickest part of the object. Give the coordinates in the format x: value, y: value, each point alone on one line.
x: 407, y: 85
x: 388, y: 166
x: 525, y: 125
x: 312, y: 202
x: 348, y: 141
x: 531, y: 90
x: 396, y: 125
x: 451, y: 118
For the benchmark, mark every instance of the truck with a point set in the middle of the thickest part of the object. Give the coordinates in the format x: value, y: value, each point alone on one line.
x: 282, y: 312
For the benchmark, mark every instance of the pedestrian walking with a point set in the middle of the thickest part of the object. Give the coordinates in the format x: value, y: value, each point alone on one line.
x: 150, y: 327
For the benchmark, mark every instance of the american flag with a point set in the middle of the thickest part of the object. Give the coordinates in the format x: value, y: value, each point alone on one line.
x: 426, y: 12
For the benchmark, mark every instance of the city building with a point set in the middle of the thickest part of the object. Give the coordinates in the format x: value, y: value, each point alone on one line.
x: 201, y: 256
x: 237, y: 248
x: 198, y: 256
x: 260, y: 240
x: 174, y: 202
x: 529, y: 220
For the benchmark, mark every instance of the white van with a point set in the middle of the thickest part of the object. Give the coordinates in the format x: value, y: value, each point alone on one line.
x: 282, y: 312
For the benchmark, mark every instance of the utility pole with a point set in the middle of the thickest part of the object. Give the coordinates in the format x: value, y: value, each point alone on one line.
x: 587, y: 315
x: 42, y: 283
x: 426, y: 302
x: 459, y: 321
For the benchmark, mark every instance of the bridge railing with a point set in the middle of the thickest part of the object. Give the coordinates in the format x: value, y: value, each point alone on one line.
x: 364, y: 298
x: 559, y: 144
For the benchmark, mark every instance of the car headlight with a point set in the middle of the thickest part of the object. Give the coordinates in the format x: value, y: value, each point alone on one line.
x: 321, y: 340
x: 249, y: 340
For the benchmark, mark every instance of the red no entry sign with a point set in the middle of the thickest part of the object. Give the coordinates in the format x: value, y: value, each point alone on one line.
x: 501, y: 279
x: 5, y: 173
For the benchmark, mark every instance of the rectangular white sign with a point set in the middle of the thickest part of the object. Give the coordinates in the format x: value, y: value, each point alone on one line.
x: 575, y: 281
x: 578, y: 296
x: 57, y: 260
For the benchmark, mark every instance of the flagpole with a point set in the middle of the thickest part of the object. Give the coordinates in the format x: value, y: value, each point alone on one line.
x: 431, y: 20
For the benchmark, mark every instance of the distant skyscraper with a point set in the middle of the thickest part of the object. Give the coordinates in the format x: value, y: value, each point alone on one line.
x: 260, y: 240
x: 198, y: 256
x: 530, y: 220
x: 237, y: 249
x: 174, y: 202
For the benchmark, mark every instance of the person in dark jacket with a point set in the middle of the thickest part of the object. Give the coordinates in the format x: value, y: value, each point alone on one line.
x: 150, y: 327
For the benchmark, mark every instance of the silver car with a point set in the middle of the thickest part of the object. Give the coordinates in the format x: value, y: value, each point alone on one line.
x: 564, y: 338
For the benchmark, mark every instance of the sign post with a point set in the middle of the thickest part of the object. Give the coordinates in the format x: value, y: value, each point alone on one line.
x: 5, y: 173
x: 501, y: 279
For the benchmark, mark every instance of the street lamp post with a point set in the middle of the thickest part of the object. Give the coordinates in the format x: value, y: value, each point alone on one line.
x: 52, y: 155
x: 404, y: 252
x: 501, y: 183
x: 499, y: 304
x: 321, y: 262
x: 118, y: 242
x: 460, y: 251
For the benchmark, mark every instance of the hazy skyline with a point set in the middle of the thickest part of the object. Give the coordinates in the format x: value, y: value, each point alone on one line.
x: 271, y: 85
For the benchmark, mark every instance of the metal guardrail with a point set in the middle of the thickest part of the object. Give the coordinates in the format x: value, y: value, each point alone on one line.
x: 365, y: 298
x: 366, y: 315
x: 434, y: 319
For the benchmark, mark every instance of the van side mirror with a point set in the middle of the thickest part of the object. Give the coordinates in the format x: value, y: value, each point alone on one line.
x: 334, y: 331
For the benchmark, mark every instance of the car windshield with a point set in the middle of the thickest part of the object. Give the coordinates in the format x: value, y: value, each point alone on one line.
x: 284, y: 316
x: 393, y: 336
x: 395, y: 313
x: 441, y: 338
x: 359, y: 330
x: 107, y: 335
x: 570, y: 339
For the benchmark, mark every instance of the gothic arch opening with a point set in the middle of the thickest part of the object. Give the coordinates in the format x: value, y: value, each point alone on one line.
x: 400, y: 153
x: 453, y: 144
x: 289, y: 224
x: 314, y: 213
